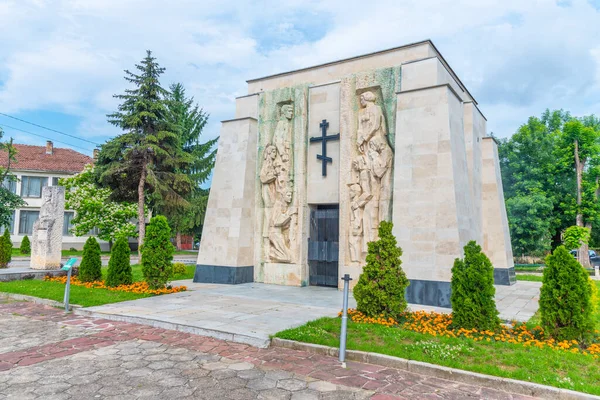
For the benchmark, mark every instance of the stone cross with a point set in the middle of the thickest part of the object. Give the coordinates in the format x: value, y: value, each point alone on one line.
x: 323, y: 139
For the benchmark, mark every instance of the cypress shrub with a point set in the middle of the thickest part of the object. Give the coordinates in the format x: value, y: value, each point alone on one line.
x: 25, y: 246
x: 382, y: 283
x: 565, y: 297
x: 119, y: 268
x: 179, y: 268
x: 90, y: 269
x: 472, y: 297
x: 157, y: 253
x: 5, y: 249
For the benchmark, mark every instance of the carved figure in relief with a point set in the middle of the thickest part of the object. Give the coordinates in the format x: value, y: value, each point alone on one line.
x: 280, y: 226
x: 381, y: 161
x: 356, y: 228
x: 282, y: 139
x: 268, y: 177
x: 371, y: 122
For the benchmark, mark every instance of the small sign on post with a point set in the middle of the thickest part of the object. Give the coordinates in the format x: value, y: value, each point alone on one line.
x: 68, y: 267
x: 343, y: 333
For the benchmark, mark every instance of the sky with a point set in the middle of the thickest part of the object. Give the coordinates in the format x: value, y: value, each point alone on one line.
x: 61, y: 61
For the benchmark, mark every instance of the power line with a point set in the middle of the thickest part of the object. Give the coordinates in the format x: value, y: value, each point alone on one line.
x: 44, y: 137
x: 50, y: 129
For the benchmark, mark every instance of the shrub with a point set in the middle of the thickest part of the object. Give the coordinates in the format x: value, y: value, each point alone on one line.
x: 157, y: 253
x: 179, y: 268
x: 119, y: 268
x: 90, y: 269
x: 472, y: 297
x: 565, y: 297
x: 575, y: 236
x: 382, y: 283
x: 25, y: 246
x: 5, y: 249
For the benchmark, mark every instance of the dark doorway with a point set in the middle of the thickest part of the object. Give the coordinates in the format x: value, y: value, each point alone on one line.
x: 323, y: 245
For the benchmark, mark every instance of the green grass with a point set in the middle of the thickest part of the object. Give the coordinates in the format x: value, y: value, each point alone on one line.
x: 545, y: 366
x: 529, y: 278
x: 79, y: 253
x: 80, y: 295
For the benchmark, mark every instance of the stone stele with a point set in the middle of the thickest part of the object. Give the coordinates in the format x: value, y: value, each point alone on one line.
x: 46, y: 242
x: 401, y: 139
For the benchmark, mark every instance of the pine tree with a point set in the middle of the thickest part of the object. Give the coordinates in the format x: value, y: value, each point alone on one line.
x: 119, y: 268
x: 157, y: 253
x: 148, y: 156
x: 565, y: 297
x: 382, y: 284
x: 473, y: 291
x: 90, y: 269
x: 25, y: 246
x: 5, y: 249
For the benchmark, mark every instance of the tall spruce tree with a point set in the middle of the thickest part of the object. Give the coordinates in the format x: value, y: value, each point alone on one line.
x: 9, y: 201
x: 148, y: 157
x: 188, y: 121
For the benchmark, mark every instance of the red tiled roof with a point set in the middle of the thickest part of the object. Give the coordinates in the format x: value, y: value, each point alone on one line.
x: 34, y: 158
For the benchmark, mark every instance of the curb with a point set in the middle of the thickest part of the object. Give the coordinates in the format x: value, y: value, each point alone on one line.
x: 453, y: 374
x: 214, y: 333
x: 37, y: 300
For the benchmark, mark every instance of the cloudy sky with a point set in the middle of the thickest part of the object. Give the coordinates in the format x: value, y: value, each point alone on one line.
x: 62, y: 60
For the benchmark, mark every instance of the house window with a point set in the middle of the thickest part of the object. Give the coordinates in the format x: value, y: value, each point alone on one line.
x: 31, y: 186
x: 26, y: 220
x: 10, y: 184
x: 67, y: 225
x: 54, y: 181
x: 11, y: 226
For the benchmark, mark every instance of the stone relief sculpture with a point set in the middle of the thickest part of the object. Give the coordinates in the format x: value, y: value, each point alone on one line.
x: 46, y: 243
x: 279, y: 218
x: 370, y: 193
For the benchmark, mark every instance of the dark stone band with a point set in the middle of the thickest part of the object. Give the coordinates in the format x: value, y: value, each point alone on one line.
x: 505, y: 276
x: 223, y: 274
x: 429, y: 293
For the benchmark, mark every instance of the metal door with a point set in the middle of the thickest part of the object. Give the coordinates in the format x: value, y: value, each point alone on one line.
x: 323, y: 245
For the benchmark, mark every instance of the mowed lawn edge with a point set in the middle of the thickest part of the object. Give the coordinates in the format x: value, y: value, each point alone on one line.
x: 545, y: 366
x: 80, y: 295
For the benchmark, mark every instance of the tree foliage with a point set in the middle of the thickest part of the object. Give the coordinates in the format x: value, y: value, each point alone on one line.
x: 382, y: 283
x: 94, y: 209
x: 5, y: 249
x: 157, y: 253
x: 25, y: 246
x: 119, y: 267
x: 90, y: 269
x: 9, y: 201
x: 148, y: 157
x: 473, y: 291
x: 575, y: 236
x: 565, y: 295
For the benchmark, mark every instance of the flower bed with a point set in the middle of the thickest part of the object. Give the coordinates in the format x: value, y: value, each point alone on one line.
x: 136, y: 287
x: 438, y: 324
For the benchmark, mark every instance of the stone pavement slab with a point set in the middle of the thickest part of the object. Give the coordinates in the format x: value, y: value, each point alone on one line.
x: 117, y: 360
x: 252, y: 312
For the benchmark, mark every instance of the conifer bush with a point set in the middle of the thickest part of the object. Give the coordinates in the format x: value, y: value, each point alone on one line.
x: 382, y: 283
x: 5, y: 249
x: 565, y: 297
x: 472, y: 298
x: 25, y: 246
x: 157, y: 253
x: 179, y: 268
x: 90, y: 269
x: 119, y: 267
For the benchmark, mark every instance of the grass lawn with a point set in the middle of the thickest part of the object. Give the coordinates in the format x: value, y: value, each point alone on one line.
x: 79, y: 253
x: 529, y: 278
x: 80, y: 295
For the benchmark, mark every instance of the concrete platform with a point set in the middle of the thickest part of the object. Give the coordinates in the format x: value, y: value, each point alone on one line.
x: 250, y: 313
x: 16, y: 273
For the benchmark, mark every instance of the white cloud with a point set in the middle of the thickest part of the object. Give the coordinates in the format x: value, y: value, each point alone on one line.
x: 516, y: 57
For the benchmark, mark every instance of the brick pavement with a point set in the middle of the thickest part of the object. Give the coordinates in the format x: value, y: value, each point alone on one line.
x: 49, y: 354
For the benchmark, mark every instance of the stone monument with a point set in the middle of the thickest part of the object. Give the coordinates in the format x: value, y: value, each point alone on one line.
x: 316, y: 158
x: 46, y: 242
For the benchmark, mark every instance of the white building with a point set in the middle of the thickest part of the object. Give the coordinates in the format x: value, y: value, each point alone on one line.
x: 36, y: 167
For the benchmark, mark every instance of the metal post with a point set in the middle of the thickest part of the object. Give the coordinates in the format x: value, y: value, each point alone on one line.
x: 68, y: 289
x: 343, y: 334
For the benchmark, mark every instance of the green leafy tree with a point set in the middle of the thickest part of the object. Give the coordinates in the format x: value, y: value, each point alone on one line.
x: 5, y: 249
x: 529, y: 220
x: 473, y: 291
x: 575, y: 236
x: 188, y: 121
x: 9, y: 201
x: 94, y: 209
x: 119, y: 267
x: 382, y: 283
x: 25, y: 246
x: 90, y: 269
x: 157, y: 253
x: 565, y: 296
x: 148, y: 156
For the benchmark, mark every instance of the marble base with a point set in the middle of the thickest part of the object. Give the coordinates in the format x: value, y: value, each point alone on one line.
x: 505, y: 276
x: 429, y: 293
x: 223, y: 274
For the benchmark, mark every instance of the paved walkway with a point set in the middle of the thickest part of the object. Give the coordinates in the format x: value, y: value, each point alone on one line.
x: 46, y: 354
x: 250, y: 313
